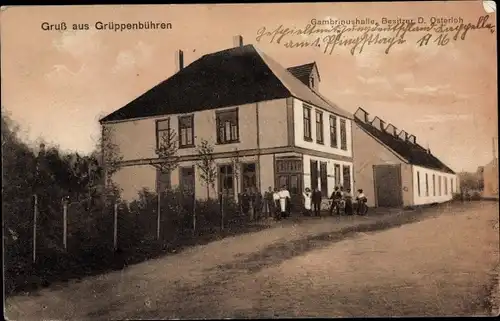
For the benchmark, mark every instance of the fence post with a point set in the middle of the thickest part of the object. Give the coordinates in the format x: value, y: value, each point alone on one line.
x: 115, y: 227
x: 194, y: 213
x: 65, y: 222
x: 221, y: 202
x: 158, y: 219
x: 35, y: 214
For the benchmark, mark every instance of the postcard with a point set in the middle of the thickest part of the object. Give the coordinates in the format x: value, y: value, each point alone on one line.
x: 250, y: 160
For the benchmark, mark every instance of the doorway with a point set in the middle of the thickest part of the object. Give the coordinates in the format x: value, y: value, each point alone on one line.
x: 388, y: 187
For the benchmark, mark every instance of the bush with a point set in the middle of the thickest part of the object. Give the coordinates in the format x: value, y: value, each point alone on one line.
x: 177, y: 215
x: 55, y: 176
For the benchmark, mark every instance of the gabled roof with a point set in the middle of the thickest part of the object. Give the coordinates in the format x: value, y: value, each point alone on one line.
x: 412, y: 153
x: 231, y: 77
x: 304, y: 70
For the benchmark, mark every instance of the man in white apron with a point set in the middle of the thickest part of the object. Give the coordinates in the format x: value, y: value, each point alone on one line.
x: 307, y: 201
x: 284, y: 199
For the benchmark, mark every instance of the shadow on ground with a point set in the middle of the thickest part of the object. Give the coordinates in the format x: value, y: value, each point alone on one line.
x: 277, y: 253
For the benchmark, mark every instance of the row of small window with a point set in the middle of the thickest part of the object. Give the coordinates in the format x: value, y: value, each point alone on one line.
x: 319, y: 129
x: 226, y: 127
x: 441, y: 181
x: 225, y: 177
x: 323, y: 176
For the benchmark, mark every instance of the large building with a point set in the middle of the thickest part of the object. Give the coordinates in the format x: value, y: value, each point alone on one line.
x: 246, y: 105
x: 393, y: 169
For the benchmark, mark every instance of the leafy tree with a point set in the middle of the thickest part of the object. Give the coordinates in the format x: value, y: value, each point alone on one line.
x: 206, y: 164
x: 110, y: 162
x: 168, y: 160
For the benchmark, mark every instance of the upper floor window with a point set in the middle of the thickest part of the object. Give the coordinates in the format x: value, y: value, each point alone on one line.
x: 333, y: 131
x: 227, y: 126
x: 307, y: 123
x: 319, y: 127
x: 186, y: 131
x: 343, y: 134
x: 162, y: 132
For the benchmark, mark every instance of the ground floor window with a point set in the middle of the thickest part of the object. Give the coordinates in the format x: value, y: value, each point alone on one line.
x: 418, y: 183
x: 336, y: 172
x: 347, y: 177
x: 226, y: 179
x: 187, y: 179
x: 426, y: 184
x: 289, y: 173
x: 433, y: 185
x: 451, y: 183
x: 323, y: 178
x: 248, y: 177
x: 314, y: 173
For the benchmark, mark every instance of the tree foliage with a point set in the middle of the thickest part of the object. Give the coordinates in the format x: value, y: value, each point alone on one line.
x: 167, y: 152
x: 206, y: 164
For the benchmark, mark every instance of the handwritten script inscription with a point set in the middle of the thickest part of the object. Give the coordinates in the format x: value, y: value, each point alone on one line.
x: 355, y: 37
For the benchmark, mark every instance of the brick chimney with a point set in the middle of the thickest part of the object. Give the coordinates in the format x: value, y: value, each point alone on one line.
x: 237, y: 41
x: 179, y: 60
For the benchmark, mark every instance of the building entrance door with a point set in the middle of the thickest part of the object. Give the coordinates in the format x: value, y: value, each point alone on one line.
x: 388, y: 188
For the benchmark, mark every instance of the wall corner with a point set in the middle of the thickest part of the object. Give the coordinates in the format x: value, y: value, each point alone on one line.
x: 290, y: 121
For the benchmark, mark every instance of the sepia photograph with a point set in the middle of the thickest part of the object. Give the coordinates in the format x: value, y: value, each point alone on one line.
x: 278, y: 160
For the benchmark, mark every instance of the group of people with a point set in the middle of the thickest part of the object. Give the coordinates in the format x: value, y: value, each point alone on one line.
x: 339, y: 197
x: 277, y: 202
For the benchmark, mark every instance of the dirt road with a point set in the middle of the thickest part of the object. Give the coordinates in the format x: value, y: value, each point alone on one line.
x: 441, y: 265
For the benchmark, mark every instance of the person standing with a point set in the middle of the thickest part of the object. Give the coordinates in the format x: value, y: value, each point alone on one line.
x: 258, y: 204
x: 276, y: 203
x: 335, y: 197
x: 316, y: 201
x: 284, y: 201
x: 245, y: 202
x: 307, y: 202
x: 361, y: 199
x: 268, y: 202
x: 348, y: 202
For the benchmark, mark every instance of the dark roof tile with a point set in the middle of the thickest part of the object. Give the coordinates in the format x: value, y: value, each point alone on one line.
x: 413, y: 153
x: 231, y: 77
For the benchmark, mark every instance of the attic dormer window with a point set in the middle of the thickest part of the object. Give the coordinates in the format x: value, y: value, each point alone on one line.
x: 312, y: 82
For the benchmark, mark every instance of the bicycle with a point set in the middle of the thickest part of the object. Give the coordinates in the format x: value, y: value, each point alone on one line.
x: 341, y: 207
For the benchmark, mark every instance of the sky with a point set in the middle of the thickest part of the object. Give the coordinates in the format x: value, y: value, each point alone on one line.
x: 56, y: 85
